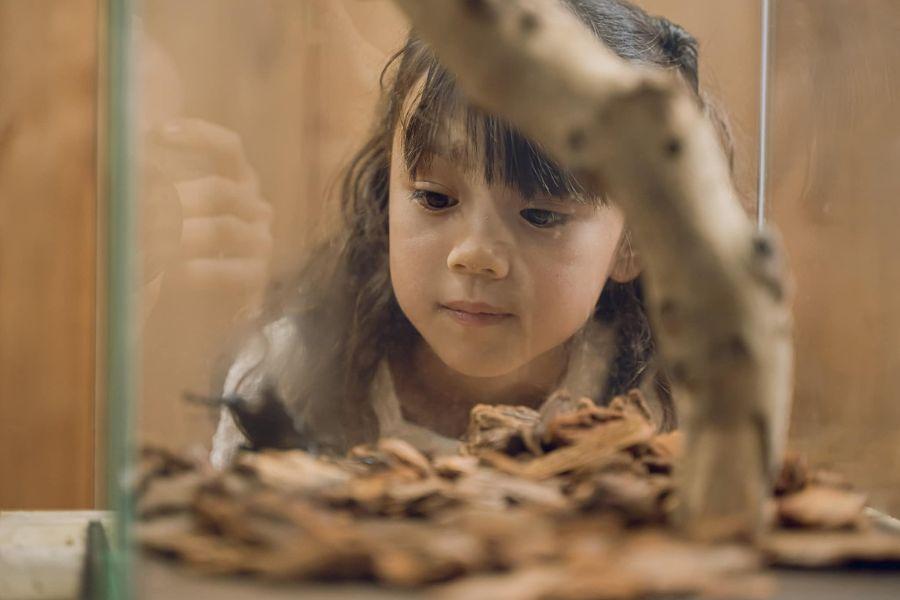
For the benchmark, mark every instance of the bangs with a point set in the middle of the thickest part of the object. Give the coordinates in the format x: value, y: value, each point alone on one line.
x: 490, y: 146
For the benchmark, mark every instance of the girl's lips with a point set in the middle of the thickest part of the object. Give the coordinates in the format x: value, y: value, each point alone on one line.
x: 474, y: 315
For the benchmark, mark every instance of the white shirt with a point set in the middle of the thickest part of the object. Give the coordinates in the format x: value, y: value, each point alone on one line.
x: 280, y: 342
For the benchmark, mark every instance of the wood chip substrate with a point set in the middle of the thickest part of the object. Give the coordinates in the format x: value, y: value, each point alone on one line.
x: 573, y: 501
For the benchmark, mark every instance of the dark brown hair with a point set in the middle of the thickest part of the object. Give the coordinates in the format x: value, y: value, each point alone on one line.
x: 343, y: 299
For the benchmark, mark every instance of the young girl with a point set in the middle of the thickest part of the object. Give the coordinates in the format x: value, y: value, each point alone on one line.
x: 471, y: 269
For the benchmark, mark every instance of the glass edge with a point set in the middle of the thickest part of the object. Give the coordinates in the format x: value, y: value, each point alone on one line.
x: 121, y: 342
x: 767, y: 52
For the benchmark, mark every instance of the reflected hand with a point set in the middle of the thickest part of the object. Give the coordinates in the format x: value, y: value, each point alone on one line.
x: 225, y: 241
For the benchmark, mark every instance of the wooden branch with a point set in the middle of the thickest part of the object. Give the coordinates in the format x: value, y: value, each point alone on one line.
x: 716, y: 291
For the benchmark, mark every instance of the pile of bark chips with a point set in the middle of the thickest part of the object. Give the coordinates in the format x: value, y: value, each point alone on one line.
x: 574, y: 501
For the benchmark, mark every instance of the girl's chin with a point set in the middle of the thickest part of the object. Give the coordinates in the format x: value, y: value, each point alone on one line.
x: 480, y: 365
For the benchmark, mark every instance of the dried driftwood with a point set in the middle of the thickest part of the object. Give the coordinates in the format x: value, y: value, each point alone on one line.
x: 583, y: 511
x: 716, y: 293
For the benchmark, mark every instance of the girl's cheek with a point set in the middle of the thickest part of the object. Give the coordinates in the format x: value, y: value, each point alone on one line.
x: 571, y: 273
x: 583, y: 248
x: 413, y: 232
x: 415, y: 250
x: 565, y: 291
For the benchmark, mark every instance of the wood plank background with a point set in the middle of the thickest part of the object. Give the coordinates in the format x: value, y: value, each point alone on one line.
x: 47, y: 252
x: 834, y: 187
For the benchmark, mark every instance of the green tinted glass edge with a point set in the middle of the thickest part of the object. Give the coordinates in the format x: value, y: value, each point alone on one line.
x: 121, y: 346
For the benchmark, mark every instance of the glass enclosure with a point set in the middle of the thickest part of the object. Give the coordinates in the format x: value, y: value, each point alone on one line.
x: 242, y: 116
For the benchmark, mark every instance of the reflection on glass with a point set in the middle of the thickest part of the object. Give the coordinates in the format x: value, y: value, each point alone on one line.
x: 241, y: 131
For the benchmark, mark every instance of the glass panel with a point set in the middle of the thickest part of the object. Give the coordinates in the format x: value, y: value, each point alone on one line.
x: 833, y: 155
x: 121, y: 305
x: 244, y: 124
x: 231, y: 124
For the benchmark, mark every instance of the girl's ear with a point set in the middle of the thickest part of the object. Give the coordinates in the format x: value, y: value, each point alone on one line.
x: 627, y: 265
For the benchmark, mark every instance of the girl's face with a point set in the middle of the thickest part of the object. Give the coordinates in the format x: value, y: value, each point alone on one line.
x: 490, y: 279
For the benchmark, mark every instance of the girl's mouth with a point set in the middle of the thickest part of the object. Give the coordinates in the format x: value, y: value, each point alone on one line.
x: 474, y: 314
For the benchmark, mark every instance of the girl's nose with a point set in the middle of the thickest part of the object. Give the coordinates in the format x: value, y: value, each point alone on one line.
x: 477, y: 256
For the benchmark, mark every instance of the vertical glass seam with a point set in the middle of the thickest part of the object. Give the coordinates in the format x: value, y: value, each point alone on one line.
x: 121, y: 347
x: 765, y: 26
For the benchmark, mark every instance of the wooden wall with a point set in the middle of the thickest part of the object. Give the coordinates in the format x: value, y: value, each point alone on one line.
x: 834, y: 184
x: 47, y: 252
x: 296, y: 80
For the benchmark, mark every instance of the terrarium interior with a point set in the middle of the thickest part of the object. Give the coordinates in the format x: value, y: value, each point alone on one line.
x: 245, y: 123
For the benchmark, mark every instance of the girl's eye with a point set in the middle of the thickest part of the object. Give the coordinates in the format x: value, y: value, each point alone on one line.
x: 543, y: 218
x: 434, y: 201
